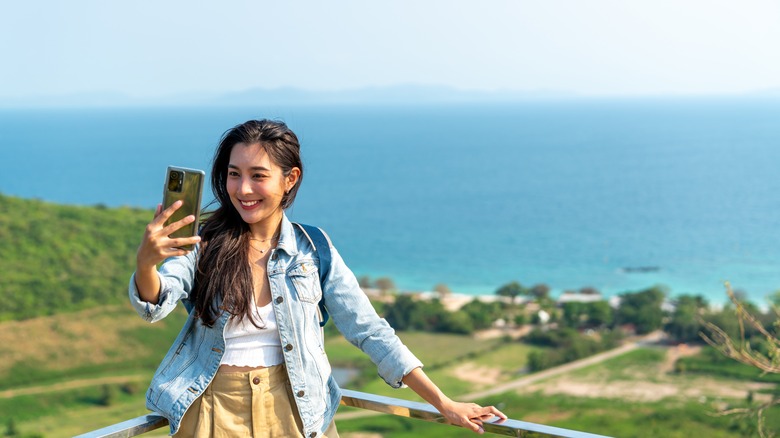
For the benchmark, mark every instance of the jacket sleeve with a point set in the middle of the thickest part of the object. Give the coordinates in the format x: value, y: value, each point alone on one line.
x: 357, y: 320
x: 177, y: 277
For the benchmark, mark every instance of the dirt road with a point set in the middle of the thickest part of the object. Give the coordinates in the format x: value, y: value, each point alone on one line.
x: 541, y: 375
x: 73, y: 384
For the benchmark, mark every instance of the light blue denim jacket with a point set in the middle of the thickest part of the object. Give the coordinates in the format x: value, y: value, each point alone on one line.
x: 194, y: 357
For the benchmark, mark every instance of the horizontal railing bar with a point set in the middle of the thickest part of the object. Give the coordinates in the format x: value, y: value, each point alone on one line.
x: 372, y: 402
x: 129, y: 428
x: 426, y: 412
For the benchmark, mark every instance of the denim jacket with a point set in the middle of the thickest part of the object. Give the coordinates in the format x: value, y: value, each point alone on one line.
x: 195, y: 355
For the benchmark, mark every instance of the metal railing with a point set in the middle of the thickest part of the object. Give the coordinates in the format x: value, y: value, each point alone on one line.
x: 371, y: 402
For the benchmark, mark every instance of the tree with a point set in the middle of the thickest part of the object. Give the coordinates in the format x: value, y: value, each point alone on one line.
x: 599, y: 313
x: 10, y: 428
x: 442, y: 289
x: 588, y: 290
x: 642, y: 309
x: 540, y: 291
x: 385, y: 284
x: 107, y: 395
x: 774, y: 299
x: 482, y: 314
x: 401, y: 314
x: 685, y: 323
x: 455, y: 322
x: 364, y: 281
x: 511, y: 290
x: 741, y: 350
x: 595, y: 314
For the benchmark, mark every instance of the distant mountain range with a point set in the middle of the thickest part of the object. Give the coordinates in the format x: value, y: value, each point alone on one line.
x: 373, y: 95
x: 395, y: 94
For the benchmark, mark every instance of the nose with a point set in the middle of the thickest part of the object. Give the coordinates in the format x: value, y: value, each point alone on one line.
x: 244, y: 186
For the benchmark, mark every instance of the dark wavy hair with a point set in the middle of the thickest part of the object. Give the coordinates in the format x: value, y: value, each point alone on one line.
x: 223, y: 281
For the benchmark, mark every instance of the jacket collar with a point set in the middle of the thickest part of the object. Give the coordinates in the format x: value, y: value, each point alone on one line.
x: 287, y: 240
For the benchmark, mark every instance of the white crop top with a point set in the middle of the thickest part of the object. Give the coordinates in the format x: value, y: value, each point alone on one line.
x: 249, y: 346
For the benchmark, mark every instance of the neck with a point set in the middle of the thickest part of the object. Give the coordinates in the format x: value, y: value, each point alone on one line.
x: 266, y: 229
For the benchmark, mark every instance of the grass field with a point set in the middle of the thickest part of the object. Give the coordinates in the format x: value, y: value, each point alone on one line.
x: 608, y: 406
x: 601, y: 416
x: 68, y: 374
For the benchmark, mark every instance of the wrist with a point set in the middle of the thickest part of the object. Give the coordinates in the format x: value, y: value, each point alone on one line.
x: 441, y: 402
x: 144, y: 265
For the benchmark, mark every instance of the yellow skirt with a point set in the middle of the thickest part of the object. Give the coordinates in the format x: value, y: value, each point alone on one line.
x: 257, y: 403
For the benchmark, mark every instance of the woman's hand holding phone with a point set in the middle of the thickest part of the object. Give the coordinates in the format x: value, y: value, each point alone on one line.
x: 156, y: 246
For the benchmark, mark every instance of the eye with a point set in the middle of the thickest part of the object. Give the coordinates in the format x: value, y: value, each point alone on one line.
x: 259, y: 176
x: 232, y: 173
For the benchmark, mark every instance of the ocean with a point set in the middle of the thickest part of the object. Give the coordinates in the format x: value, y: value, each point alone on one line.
x: 619, y: 195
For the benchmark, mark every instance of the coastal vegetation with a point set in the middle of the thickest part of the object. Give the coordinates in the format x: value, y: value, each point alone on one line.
x: 62, y: 258
x: 758, y: 346
x: 76, y: 356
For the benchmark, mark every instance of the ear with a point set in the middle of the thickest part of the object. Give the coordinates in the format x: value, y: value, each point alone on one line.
x: 292, y: 178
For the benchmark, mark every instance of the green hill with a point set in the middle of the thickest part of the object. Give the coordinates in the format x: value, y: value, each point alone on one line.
x: 61, y: 258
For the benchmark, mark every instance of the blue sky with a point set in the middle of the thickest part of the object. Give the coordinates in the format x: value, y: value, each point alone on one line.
x: 593, y: 48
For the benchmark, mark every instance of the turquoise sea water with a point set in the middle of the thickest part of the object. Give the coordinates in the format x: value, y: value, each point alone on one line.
x: 564, y: 193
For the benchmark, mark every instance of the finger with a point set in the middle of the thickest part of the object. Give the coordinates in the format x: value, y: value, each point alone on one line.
x: 488, y: 412
x: 158, y: 210
x: 172, y: 227
x: 176, y: 252
x: 476, y: 426
x: 497, y: 413
x: 473, y: 426
x: 183, y: 241
x: 168, y: 212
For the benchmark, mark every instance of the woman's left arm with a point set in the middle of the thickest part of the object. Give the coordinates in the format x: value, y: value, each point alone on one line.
x: 468, y: 415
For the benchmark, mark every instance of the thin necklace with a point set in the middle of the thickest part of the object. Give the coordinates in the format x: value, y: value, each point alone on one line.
x: 274, y: 237
x: 262, y: 251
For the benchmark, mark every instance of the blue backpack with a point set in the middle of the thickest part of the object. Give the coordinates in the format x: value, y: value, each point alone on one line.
x: 321, y: 244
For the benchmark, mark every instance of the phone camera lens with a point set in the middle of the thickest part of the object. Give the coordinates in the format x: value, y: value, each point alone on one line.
x: 174, y: 175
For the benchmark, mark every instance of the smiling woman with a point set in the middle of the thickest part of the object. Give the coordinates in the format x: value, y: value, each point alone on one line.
x: 250, y: 360
x: 259, y: 192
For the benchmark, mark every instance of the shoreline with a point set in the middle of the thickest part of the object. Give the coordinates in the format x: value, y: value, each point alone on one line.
x: 454, y: 300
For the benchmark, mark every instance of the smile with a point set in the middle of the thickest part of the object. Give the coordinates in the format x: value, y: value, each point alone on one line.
x: 247, y: 205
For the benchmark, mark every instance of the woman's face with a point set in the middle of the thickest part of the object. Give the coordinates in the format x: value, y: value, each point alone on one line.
x: 256, y: 184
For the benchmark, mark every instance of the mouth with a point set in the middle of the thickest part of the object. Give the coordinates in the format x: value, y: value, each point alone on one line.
x: 248, y: 205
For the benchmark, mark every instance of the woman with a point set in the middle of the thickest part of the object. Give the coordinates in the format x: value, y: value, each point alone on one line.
x: 250, y: 360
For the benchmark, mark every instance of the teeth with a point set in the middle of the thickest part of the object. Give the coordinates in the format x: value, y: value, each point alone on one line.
x: 249, y: 203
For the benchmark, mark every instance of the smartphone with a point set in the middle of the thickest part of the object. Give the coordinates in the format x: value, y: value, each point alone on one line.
x: 185, y: 185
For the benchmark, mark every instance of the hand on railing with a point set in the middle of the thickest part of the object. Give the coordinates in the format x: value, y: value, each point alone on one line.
x: 470, y: 415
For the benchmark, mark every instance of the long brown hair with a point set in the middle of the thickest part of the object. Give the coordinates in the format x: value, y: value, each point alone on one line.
x: 223, y: 281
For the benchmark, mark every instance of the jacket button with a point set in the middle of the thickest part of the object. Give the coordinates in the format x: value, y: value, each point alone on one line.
x: 300, y: 393
x: 256, y: 380
x: 313, y: 434
x: 279, y: 300
x: 288, y: 347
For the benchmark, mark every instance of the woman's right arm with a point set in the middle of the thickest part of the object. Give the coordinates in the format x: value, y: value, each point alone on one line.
x: 156, y: 246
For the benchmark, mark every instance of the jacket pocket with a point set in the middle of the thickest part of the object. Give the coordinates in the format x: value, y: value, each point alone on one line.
x: 306, y: 281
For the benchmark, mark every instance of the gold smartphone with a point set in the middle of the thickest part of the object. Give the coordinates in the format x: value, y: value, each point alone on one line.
x: 186, y: 185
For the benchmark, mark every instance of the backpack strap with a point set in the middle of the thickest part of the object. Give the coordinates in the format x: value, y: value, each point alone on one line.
x: 321, y: 244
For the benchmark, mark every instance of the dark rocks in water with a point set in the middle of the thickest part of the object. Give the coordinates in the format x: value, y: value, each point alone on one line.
x: 640, y: 269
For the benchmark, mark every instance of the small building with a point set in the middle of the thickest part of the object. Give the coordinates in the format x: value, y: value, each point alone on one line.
x: 579, y: 297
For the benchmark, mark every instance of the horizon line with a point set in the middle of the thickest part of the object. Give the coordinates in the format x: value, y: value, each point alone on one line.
x: 417, y: 94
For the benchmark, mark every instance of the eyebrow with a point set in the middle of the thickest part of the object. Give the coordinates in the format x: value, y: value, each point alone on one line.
x: 233, y: 166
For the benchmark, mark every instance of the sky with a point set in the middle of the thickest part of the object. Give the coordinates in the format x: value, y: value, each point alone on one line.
x: 152, y: 49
